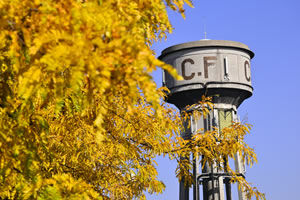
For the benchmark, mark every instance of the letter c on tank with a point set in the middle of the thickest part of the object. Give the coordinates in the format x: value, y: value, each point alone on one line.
x: 247, y: 65
x: 186, y: 77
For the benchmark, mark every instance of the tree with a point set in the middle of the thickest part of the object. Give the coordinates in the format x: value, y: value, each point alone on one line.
x: 81, y: 117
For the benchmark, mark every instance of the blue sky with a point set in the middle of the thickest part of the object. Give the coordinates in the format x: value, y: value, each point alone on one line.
x: 272, y: 30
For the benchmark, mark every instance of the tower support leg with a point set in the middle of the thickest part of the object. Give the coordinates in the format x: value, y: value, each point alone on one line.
x: 183, y: 191
x: 195, y: 174
x: 239, y: 167
x: 228, y: 189
x: 210, y: 186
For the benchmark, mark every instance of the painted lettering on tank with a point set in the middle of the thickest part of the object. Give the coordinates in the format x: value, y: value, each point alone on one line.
x: 183, y: 70
x: 247, y: 65
x: 208, y: 61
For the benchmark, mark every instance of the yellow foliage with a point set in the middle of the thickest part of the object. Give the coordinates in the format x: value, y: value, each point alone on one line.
x: 80, y: 116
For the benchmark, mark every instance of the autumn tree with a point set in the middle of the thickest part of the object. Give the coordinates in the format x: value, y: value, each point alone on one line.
x: 81, y: 117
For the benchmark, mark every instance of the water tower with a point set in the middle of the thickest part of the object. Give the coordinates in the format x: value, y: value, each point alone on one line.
x: 216, y: 68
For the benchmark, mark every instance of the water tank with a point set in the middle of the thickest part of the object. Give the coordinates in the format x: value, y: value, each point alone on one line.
x: 216, y: 68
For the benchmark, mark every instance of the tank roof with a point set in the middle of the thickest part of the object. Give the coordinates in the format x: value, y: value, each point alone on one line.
x: 207, y: 43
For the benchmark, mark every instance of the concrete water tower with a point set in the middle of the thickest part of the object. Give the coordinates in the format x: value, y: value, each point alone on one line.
x: 216, y: 68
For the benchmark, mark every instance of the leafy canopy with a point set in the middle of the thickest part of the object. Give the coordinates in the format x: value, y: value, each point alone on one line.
x: 80, y: 116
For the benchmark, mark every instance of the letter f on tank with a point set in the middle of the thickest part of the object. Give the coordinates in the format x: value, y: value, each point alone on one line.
x: 208, y: 61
